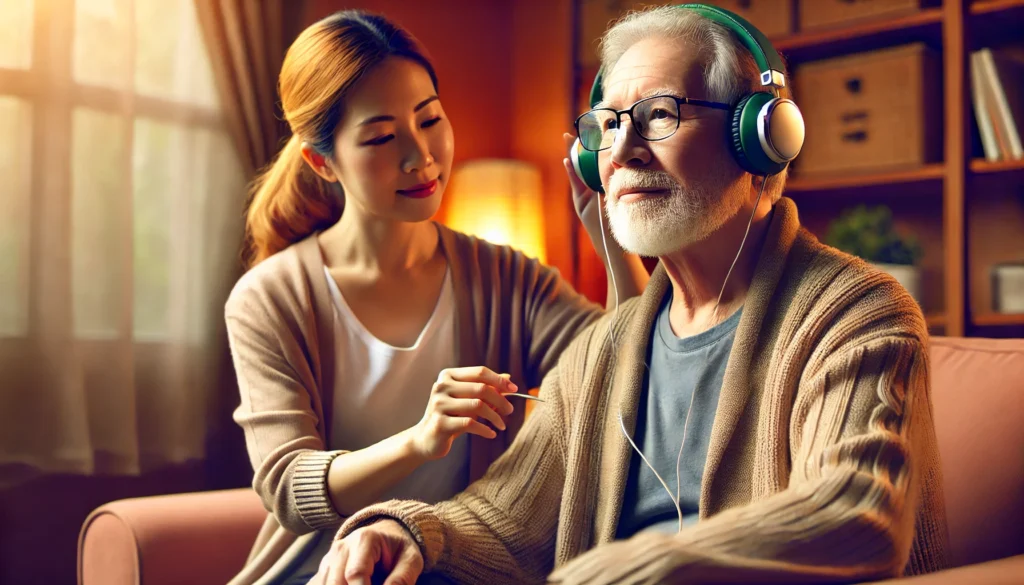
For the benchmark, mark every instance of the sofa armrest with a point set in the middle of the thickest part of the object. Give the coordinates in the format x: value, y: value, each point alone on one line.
x: 1008, y: 571
x: 196, y: 538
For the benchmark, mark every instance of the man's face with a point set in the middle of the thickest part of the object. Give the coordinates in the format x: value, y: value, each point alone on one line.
x: 666, y: 195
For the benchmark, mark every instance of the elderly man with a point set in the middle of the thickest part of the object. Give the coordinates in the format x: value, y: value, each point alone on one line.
x: 761, y: 413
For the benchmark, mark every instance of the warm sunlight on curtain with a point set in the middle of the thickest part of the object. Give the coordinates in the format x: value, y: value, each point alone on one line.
x: 121, y: 198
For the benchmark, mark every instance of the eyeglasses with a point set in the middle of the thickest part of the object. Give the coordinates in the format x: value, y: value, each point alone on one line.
x: 654, y: 118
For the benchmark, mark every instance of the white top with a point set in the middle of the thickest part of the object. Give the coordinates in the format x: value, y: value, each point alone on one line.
x: 382, y: 390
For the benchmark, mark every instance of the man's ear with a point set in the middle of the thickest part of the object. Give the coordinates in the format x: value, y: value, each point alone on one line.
x: 318, y: 162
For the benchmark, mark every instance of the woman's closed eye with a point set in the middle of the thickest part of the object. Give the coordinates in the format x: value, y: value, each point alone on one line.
x: 388, y: 137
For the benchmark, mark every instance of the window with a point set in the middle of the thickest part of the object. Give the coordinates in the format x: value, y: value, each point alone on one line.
x: 15, y: 146
x: 112, y: 148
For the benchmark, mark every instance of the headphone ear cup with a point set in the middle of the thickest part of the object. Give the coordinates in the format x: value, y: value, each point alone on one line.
x: 744, y: 137
x: 584, y: 162
x: 736, y: 136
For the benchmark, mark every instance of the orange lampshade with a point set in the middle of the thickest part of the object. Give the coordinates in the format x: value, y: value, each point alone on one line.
x: 500, y: 201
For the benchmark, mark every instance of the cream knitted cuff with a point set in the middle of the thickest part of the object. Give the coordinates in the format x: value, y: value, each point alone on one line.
x: 310, y: 489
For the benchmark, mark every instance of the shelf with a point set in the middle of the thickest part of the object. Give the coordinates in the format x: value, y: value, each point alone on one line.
x: 983, y: 166
x: 997, y: 176
x: 989, y: 319
x: 854, y: 38
x: 926, y: 173
x: 996, y: 22
x: 991, y: 6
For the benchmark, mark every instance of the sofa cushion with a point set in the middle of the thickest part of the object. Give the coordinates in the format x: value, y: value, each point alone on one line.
x: 978, y: 397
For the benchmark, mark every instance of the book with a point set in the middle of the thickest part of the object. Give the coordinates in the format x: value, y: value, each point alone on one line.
x: 1002, y: 71
x: 981, y: 113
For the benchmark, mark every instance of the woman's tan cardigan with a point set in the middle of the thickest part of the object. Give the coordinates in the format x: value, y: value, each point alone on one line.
x: 513, y: 315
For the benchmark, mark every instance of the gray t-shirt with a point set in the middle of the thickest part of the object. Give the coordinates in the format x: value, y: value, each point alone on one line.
x: 679, y: 370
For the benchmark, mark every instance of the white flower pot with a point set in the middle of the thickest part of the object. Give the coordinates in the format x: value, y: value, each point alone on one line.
x: 907, y: 275
x: 1008, y: 287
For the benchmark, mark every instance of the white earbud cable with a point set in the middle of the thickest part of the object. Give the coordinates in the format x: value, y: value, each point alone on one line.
x: 714, y: 313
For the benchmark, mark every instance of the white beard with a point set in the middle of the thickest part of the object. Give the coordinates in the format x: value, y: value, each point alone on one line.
x: 665, y: 224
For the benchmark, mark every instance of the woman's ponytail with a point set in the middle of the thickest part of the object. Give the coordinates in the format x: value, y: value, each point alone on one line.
x: 288, y: 203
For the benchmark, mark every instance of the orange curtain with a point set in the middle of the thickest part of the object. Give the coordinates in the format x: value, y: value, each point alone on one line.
x: 247, y: 40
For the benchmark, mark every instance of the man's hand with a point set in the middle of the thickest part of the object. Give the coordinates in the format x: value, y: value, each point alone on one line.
x: 586, y: 202
x: 385, y: 545
x: 636, y: 561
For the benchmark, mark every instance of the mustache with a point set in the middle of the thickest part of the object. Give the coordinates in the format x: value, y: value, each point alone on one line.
x: 627, y: 180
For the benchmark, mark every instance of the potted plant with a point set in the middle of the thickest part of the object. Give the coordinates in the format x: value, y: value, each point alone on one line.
x: 869, y: 232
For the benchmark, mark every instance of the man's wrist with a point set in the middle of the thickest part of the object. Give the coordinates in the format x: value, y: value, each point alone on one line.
x: 381, y: 522
x: 398, y: 528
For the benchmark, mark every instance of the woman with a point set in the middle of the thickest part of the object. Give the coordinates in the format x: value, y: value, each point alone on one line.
x: 376, y: 350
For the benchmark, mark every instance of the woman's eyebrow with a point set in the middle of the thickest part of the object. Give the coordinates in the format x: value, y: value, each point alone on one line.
x: 387, y: 118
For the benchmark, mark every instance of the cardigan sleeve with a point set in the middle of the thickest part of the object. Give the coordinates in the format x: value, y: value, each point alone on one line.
x: 556, y: 313
x: 862, y: 449
x: 277, y: 388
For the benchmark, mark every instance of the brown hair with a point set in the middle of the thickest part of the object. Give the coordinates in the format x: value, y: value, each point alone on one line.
x: 288, y: 201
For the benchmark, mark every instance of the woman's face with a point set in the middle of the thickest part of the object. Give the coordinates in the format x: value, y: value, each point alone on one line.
x: 393, y: 148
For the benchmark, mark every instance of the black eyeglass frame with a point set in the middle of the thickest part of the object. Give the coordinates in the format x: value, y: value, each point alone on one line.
x: 629, y: 111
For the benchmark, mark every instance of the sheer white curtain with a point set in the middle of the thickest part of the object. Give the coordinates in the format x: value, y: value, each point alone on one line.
x: 121, y: 201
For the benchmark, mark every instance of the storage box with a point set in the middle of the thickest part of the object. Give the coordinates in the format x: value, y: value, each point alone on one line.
x: 1008, y: 287
x: 835, y: 13
x: 870, y: 111
x: 774, y: 18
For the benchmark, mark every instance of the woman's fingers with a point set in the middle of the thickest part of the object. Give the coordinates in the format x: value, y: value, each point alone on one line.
x: 477, y: 374
x: 489, y: 394
x: 455, y: 425
x: 472, y: 408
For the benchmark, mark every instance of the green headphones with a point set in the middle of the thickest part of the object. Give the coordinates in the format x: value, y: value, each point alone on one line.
x: 765, y: 132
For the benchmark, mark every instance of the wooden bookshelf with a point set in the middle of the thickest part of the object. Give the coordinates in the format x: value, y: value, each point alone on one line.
x: 935, y: 320
x: 856, y: 37
x: 995, y: 6
x: 982, y: 166
x: 996, y: 319
x: 995, y: 22
x: 812, y: 184
x: 967, y: 210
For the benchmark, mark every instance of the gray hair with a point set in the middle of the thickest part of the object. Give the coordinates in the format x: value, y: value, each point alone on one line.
x: 730, y: 70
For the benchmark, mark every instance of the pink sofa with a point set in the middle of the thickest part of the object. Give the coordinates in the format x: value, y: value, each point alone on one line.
x: 978, y: 395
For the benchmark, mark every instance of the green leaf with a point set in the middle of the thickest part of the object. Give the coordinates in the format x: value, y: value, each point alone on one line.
x: 870, y: 233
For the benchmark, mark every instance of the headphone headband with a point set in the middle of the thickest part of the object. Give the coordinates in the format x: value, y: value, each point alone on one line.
x: 768, y: 60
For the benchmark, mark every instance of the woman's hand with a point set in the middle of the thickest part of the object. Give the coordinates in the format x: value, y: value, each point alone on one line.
x: 458, y: 399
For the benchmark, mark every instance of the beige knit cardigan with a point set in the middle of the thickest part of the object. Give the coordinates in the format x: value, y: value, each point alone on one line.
x: 822, y: 464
